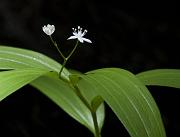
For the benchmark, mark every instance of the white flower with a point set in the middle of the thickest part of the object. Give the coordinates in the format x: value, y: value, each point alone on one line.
x: 49, y: 29
x: 79, y: 34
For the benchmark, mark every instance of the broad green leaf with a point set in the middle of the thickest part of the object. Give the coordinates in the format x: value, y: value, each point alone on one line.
x: 16, y: 58
x: 161, y: 77
x: 12, y: 80
x: 129, y: 99
x: 64, y: 96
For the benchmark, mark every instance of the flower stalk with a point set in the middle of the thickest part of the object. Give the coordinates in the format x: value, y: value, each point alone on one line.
x: 77, y: 34
x: 56, y: 46
x: 67, y: 58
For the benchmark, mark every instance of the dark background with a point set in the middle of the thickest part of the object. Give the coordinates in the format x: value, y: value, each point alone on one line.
x: 132, y: 35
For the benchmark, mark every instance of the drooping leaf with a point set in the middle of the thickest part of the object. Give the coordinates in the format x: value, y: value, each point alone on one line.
x: 16, y: 58
x: 161, y: 77
x: 64, y: 96
x: 129, y: 99
x: 12, y: 80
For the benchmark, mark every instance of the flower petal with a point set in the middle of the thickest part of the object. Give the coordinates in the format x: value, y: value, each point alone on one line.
x: 87, y: 40
x: 52, y: 28
x: 72, y: 37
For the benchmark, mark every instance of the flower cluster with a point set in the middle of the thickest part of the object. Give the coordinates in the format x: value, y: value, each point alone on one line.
x: 77, y: 33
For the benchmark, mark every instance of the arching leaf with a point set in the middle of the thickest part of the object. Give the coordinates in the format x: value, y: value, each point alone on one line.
x: 161, y: 77
x: 16, y: 58
x: 128, y: 98
x: 12, y: 80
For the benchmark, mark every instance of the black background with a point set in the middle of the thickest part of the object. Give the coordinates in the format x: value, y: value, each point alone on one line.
x: 132, y: 35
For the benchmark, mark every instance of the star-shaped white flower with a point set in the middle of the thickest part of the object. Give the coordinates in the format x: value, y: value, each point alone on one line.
x: 79, y: 34
x: 49, y: 29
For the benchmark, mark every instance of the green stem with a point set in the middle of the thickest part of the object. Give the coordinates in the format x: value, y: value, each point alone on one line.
x: 82, y: 98
x: 62, y: 67
x: 66, y: 58
x: 97, y: 132
x: 77, y: 42
x: 55, y: 44
x: 94, y: 115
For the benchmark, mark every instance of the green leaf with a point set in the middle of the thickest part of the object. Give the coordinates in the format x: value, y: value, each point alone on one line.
x: 161, y: 77
x: 10, y: 81
x: 16, y: 58
x: 129, y: 99
x: 64, y: 96
x: 96, y: 102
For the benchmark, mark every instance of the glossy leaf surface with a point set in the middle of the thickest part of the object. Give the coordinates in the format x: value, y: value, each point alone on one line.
x: 16, y: 58
x: 129, y: 99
